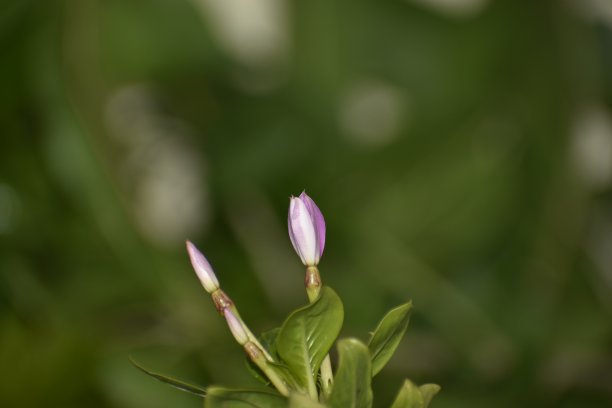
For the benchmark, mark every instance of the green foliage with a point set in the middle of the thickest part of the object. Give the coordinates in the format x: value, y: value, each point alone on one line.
x: 298, y: 349
x: 181, y: 385
x: 352, y: 384
x: 387, y: 336
x: 411, y: 396
x: 307, y: 335
x: 428, y: 391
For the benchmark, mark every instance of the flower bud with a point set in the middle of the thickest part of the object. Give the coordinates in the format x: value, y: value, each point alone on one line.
x: 306, y: 229
x: 236, y: 327
x: 202, y: 268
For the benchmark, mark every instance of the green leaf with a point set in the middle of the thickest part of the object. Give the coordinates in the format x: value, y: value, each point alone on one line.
x: 268, y: 340
x: 307, y: 335
x: 217, y: 397
x: 429, y: 391
x: 352, y: 382
x: 409, y: 396
x: 387, y: 336
x: 303, y: 401
x: 181, y: 385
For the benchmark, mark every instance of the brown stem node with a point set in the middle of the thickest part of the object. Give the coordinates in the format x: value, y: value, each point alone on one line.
x: 221, y: 300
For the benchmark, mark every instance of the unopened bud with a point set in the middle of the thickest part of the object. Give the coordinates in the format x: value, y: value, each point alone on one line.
x: 236, y: 327
x: 306, y: 229
x: 202, y: 268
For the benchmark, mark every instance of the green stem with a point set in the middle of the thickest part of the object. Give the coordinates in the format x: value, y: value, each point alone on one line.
x: 222, y: 301
x: 257, y: 356
x: 312, y: 281
x: 327, y: 376
x: 253, y: 339
x: 312, y: 388
x: 313, y: 288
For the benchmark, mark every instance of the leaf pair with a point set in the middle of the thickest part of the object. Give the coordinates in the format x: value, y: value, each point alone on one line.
x: 411, y: 396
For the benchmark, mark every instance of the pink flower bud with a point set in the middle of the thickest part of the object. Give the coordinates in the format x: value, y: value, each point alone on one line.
x: 236, y: 327
x: 202, y: 268
x: 306, y: 229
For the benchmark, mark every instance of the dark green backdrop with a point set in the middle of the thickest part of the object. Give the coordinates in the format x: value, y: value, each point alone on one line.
x: 461, y: 152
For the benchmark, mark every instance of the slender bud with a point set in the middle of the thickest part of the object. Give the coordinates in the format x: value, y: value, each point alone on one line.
x: 306, y: 229
x: 202, y: 268
x: 236, y: 327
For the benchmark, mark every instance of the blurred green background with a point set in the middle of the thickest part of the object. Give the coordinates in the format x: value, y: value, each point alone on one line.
x: 460, y: 150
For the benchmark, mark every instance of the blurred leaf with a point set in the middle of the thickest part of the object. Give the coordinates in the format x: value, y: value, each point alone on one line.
x: 181, y: 385
x: 307, y: 335
x: 228, y: 398
x: 352, y: 383
x: 428, y: 391
x: 387, y: 336
x: 409, y: 396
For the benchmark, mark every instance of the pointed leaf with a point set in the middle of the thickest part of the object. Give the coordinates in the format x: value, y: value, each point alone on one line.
x: 429, y: 391
x: 303, y: 401
x: 307, y: 335
x: 409, y: 396
x: 387, y: 336
x: 217, y: 397
x: 352, y: 383
x: 181, y: 385
x: 268, y: 340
